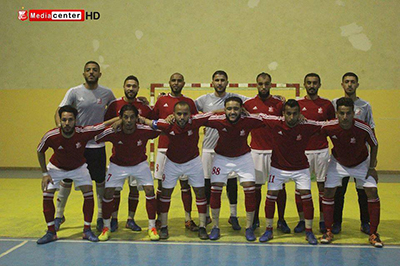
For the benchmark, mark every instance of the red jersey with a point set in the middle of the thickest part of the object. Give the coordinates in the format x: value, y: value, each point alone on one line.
x: 349, y: 145
x: 128, y: 149
x: 261, y: 138
x: 183, y: 142
x: 320, y: 109
x: 116, y: 105
x: 164, y: 107
x: 290, y: 143
x: 232, y: 140
x: 68, y: 152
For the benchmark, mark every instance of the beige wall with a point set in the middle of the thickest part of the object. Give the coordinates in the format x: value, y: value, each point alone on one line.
x: 152, y: 39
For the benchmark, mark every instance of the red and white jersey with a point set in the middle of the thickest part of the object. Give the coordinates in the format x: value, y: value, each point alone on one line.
x: 261, y: 138
x: 232, y: 140
x: 320, y: 109
x: 164, y: 107
x: 349, y: 147
x: 290, y: 143
x: 183, y: 142
x: 116, y: 105
x: 128, y: 149
x: 68, y: 152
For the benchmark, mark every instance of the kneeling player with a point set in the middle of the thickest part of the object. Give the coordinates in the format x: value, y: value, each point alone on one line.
x: 128, y: 159
x: 350, y: 157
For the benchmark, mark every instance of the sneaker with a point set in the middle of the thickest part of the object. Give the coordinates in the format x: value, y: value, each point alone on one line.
x: 234, y: 222
x: 190, y: 225
x: 130, y: 223
x: 268, y: 235
x: 89, y: 235
x: 336, y: 228
x: 208, y: 220
x: 322, y: 227
x: 310, y: 237
x: 283, y: 227
x: 300, y: 227
x: 49, y: 237
x: 215, y: 234
x: 203, y: 233
x: 375, y: 240
x: 99, y: 224
x: 250, y: 234
x: 58, y: 222
x: 105, y: 235
x: 365, y: 228
x: 164, y: 233
x: 114, y: 224
x: 327, y: 237
x: 256, y: 223
x: 153, y: 234
x: 158, y: 225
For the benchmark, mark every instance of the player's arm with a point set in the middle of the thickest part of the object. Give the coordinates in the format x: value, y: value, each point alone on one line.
x: 148, y: 122
x: 46, y: 177
x: 373, y: 162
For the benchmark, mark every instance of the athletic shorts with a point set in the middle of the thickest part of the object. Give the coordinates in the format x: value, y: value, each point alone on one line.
x: 116, y: 175
x: 160, y: 165
x: 278, y: 177
x: 262, y: 165
x: 96, y: 161
x: 242, y: 166
x: 191, y: 169
x: 336, y: 172
x: 318, y: 160
x: 80, y: 176
x: 207, y: 161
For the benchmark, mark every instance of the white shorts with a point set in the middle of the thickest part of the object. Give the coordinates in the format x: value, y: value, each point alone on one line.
x: 336, y: 172
x: 191, y: 169
x: 80, y: 176
x: 242, y: 166
x: 160, y: 165
x: 116, y: 175
x: 207, y: 157
x: 277, y: 177
x: 318, y: 160
x: 262, y: 165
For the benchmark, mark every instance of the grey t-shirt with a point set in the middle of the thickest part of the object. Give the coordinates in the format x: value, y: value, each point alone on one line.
x: 362, y: 110
x: 208, y: 103
x: 91, y: 106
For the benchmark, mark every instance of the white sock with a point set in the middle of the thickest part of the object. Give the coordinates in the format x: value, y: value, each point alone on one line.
x: 188, y: 216
x: 215, y: 217
x: 152, y: 223
x: 62, y: 198
x: 249, y: 219
x: 233, y: 208
x: 107, y: 223
x: 100, y: 194
x: 309, y: 224
x: 164, y: 219
x: 270, y: 223
x: 202, y: 220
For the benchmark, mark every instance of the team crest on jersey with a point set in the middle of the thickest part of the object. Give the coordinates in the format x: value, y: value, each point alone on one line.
x: 165, y: 105
x: 99, y: 101
x: 60, y: 147
x: 320, y: 111
x: 242, y: 132
x: 353, y: 140
x: 255, y: 108
x: 190, y: 132
x: 81, y: 99
x: 120, y: 142
x: 298, y: 138
x: 304, y: 109
x: 271, y: 109
x: 280, y: 133
x: 139, y: 142
x: 334, y: 137
x: 225, y: 130
x: 172, y: 133
x: 78, y: 145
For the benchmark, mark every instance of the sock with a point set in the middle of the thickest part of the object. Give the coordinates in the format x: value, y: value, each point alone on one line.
x: 151, y: 207
x: 165, y: 204
x: 321, y: 211
x: 201, y: 204
x: 49, y: 210
x: 299, y: 205
x: 108, y: 207
x: 233, y: 209
x: 308, y: 208
x: 62, y: 197
x: 281, y: 203
x: 215, y: 204
x: 158, y: 198
x: 232, y: 189
x: 152, y: 223
x: 186, y: 195
x: 88, y: 208
x: 117, y: 200
x: 270, y: 210
x: 258, y: 202
x: 250, y: 204
x: 207, y: 189
x: 328, y: 207
x: 100, y: 194
x: 374, y: 209
x: 133, y: 201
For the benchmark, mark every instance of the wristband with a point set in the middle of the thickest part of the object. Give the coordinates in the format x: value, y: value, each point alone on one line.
x: 46, y: 173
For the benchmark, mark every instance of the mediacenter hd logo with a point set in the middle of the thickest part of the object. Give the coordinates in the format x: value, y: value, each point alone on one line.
x: 57, y: 15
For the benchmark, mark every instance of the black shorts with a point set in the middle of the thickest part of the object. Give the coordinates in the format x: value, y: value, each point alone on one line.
x: 96, y: 161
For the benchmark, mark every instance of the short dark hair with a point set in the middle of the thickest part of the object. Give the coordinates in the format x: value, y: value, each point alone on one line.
x: 131, y: 77
x: 68, y: 109
x: 291, y: 103
x: 234, y: 99
x: 312, y: 75
x: 345, y: 102
x: 182, y: 103
x: 351, y: 74
x: 220, y: 72
x: 128, y: 107
x: 263, y: 74
x: 91, y: 62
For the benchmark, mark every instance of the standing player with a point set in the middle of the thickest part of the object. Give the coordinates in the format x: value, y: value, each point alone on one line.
x: 261, y: 145
x: 350, y: 157
x: 182, y: 159
x: 128, y: 160
x: 291, y: 136
x: 362, y: 111
x: 91, y: 100
x: 68, y: 161
x: 314, y: 107
x: 208, y: 103
x: 131, y: 89
x: 162, y: 109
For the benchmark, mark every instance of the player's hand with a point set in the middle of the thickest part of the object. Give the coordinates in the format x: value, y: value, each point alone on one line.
x: 143, y: 100
x: 302, y: 118
x: 282, y: 98
x: 373, y: 173
x: 170, y: 119
x: 45, y: 181
x: 245, y: 112
x: 117, y: 125
x: 141, y: 119
x: 161, y: 94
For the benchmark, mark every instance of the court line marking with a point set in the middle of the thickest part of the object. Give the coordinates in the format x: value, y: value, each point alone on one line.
x: 13, y: 248
x: 212, y: 244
